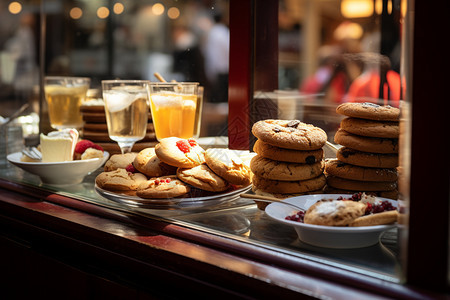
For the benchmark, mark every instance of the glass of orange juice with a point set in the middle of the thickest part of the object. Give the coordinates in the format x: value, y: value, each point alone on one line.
x: 174, y: 108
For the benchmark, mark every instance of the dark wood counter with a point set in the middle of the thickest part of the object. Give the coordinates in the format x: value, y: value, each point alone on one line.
x: 58, y: 246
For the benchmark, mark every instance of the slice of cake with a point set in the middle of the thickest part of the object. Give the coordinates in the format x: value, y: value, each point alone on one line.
x: 58, y: 146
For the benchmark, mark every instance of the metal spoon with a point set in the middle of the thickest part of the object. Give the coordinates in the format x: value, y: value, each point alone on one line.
x: 270, y: 200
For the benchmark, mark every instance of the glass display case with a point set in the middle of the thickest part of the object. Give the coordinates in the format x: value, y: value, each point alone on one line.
x: 256, y: 60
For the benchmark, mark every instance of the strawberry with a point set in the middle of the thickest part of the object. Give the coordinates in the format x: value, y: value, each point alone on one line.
x: 82, y: 145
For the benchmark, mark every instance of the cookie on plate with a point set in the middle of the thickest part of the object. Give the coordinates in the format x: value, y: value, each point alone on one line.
x: 330, y: 212
x: 340, y: 169
x: 359, y: 185
x: 148, y: 163
x: 119, y: 180
x: 369, y: 111
x: 366, y: 144
x: 202, y: 177
x: 181, y: 153
x: 276, y: 170
x: 119, y: 161
x: 162, y: 187
x: 287, y: 155
x: 367, y: 159
x: 371, y: 128
x: 289, y: 187
x: 290, y: 134
x: 228, y: 165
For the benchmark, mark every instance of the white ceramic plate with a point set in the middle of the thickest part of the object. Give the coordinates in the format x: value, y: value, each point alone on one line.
x: 66, y: 172
x: 195, y: 199
x: 327, y: 236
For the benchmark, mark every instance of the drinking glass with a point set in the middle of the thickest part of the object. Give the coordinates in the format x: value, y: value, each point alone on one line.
x: 126, y: 109
x: 64, y: 97
x: 174, y: 109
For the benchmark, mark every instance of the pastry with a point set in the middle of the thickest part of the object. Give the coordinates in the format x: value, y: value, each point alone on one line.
x: 382, y: 218
x: 330, y: 212
x: 202, y: 177
x: 340, y: 169
x: 228, y: 165
x: 121, y: 161
x: 149, y: 164
x: 287, y: 155
x: 289, y: 187
x: 179, y: 152
x: 367, y: 159
x: 290, y: 134
x: 271, y: 169
x: 371, y: 128
x: 162, y: 187
x: 369, y: 111
x: 119, y: 180
x: 58, y: 146
x: 366, y: 144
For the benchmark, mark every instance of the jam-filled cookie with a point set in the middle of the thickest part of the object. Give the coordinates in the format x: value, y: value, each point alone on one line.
x: 119, y: 161
x: 369, y: 110
x: 162, y: 187
x: 290, y: 134
x: 228, y: 165
x: 119, y: 180
x: 148, y: 163
x: 330, y: 212
x: 287, y: 155
x: 181, y: 153
x: 202, y: 177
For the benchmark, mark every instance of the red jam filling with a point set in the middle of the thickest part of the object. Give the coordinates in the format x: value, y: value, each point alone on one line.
x: 183, y: 145
x: 160, y: 181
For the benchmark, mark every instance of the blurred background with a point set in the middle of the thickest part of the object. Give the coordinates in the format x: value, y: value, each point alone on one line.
x: 330, y: 51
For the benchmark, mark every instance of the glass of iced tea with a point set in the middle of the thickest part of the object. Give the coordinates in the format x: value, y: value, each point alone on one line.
x: 126, y: 109
x: 64, y: 97
x: 175, y: 108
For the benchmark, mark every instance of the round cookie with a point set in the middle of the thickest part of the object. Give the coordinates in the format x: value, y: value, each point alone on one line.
x: 330, y: 212
x: 162, y: 187
x: 287, y: 155
x: 289, y: 187
x: 337, y: 168
x: 367, y: 159
x: 284, y: 171
x: 119, y: 161
x: 366, y: 144
x: 149, y: 164
x: 369, y: 111
x: 371, y: 128
x: 228, y: 165
x: 180, y: 153
x: 202, y: 177
x: 119, y: 180
x: 290, y: 134
x: 358, y: 185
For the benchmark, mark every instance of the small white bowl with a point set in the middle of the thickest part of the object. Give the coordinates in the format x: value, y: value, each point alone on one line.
x: 58, y: 173
x: 327, y: 236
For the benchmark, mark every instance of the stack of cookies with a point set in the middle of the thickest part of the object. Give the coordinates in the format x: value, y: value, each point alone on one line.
x: 96, y: 130
x: 368, y: 160
x: 289, y: 159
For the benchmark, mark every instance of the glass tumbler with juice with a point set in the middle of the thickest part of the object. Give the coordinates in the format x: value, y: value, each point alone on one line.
x: 174, y: 108
x: 64, y: 97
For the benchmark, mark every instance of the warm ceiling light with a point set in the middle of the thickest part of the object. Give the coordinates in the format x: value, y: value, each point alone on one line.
x: 118, y: 8
x: 158, y: 9
x: 76, y: 13
x: 356, y: 8
x: 102, y: 12
x: 15, y: 7
x: 173, y: 13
